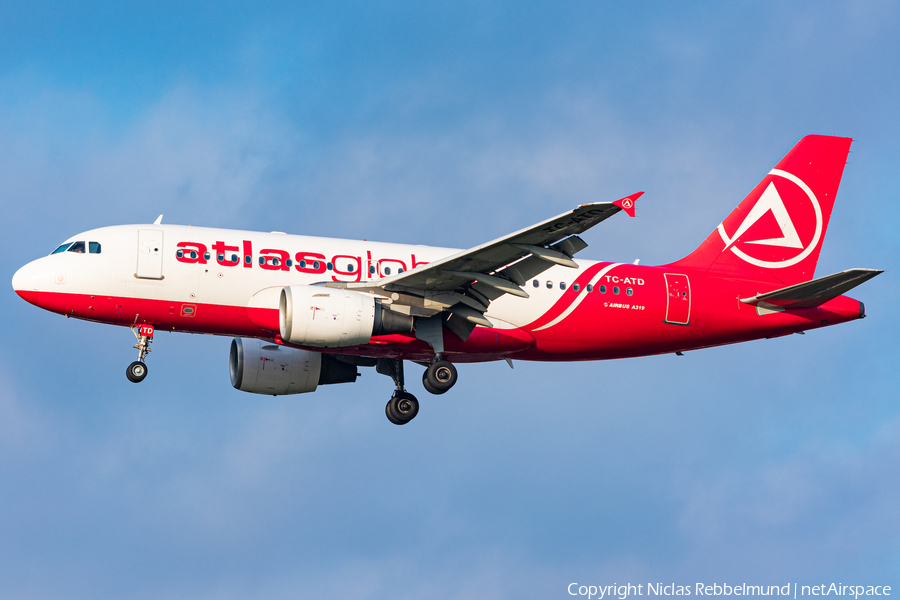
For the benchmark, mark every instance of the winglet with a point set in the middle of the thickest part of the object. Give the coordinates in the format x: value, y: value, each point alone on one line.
x: 627, y: 203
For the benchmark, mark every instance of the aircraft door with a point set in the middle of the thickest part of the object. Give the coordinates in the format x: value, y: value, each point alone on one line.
x: 678, y: 299
x: 150, y: 256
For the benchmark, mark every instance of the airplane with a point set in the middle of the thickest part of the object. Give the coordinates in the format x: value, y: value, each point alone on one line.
x: 308, y: 311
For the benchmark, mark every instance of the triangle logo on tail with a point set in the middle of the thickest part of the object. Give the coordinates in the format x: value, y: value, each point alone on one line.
x: 769, y: 201
x: 788, y: 208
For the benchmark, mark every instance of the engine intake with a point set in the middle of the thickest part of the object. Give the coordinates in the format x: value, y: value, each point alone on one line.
x: 262, y: 368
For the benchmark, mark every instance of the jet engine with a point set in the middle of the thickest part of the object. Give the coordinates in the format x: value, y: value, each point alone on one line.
x: 263, y: 368
x: 331, y: 317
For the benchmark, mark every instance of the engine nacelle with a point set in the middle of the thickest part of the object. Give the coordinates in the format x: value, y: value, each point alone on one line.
x: 332, y: 317
x: 263, y: 368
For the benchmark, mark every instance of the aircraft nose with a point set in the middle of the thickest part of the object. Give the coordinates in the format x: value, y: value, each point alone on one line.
x: 26, y: 281
x: 18, y: 280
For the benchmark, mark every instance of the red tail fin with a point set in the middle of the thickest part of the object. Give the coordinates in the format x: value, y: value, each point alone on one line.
x: 776, y: 233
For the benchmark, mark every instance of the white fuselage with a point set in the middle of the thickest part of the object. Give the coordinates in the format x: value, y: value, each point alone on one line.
x: 155, y: 262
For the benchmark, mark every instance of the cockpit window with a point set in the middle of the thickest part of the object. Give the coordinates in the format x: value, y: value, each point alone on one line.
x: 62, y: 248
x: 94, y: 247
x: 77, y: 247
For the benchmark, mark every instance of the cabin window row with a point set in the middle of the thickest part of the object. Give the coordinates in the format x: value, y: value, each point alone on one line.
x: 588, y: 288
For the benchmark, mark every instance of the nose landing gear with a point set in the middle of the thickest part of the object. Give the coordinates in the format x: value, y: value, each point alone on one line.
x: 137, y: 371
x: 403, y: 406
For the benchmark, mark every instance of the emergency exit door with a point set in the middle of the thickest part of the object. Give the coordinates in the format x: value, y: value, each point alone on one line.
x: 678, y: 299
x: 149, y: 258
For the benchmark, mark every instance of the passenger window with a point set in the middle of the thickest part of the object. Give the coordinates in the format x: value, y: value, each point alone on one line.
x: 629, y: 291
x: 248, y: 259
x: 302, y: 264
x: 576, y: 287
x: 77, y: 247
x: 590, y: 288
x: 562, y: 285
x: 536, y: 283
x: 262, y: 260
x: 206, y: 255
x: 549, y: 285
x: 193, y: 254
x: 400, y: 270
x: 350, y: 268
x: 94, y: 247
x: 289, y: 262
x: 62, y: 248
x: 276, y: 262
x: 179, y: 253
x: 602, y: 289
x: 616, y: 290
x: 316, y: 265
x: 371, y: 270
x: 220, y: 256
x: 329, y: 266
x: 234, y: 258
x: 387, y: 270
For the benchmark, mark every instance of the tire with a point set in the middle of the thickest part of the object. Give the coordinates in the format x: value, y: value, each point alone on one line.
x: 136, y: 372
x: 428, y: 387
x: 390, y: 411
x: 401, y: 408
x: 441, y: 376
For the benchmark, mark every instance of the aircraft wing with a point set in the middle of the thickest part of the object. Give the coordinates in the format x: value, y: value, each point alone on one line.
x: 545, y: 242
x: 464, y: 284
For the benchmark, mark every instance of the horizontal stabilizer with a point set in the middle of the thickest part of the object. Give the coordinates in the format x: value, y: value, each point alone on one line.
x: 816, y: 292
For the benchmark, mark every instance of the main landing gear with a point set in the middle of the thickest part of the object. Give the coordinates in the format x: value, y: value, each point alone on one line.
x: 439, y: 376
x: 137, y: 371
x: 403, y: 406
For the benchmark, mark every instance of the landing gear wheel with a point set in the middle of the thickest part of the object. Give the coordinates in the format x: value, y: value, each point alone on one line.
x: 136, y: 372
x: 428, y: 387
x: 439, y: 377
x: 402, y: 408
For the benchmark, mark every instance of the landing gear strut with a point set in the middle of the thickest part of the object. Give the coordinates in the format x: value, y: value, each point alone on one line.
x: 403, y: 406
x: 439, y: 376
x: 137, y: 371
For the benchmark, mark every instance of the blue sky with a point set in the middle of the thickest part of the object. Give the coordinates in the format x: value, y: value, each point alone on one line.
x: 450, y: 125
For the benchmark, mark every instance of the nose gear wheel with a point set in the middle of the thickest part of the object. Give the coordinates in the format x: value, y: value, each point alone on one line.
x: 136, y: 372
